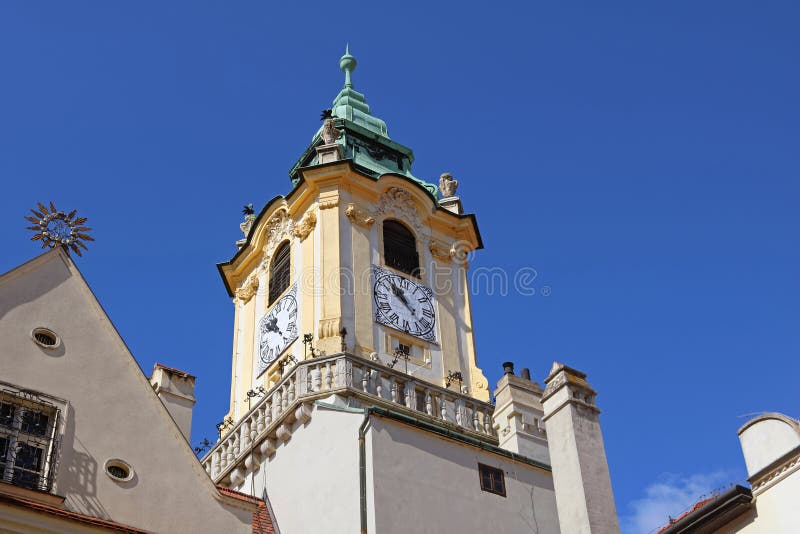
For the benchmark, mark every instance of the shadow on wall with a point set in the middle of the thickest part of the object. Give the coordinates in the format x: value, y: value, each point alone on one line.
x: 78, y: 474
x: 15, y: 295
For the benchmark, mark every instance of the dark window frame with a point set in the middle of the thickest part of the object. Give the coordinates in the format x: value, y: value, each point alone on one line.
x: 492, y: 479
x: 280, y: 271
x: 400, y: 248
x: 28, y: 440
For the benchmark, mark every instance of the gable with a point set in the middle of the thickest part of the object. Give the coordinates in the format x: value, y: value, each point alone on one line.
x: 110, y: 411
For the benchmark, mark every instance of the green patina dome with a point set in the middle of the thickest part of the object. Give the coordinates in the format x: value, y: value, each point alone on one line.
x: 365, y: 138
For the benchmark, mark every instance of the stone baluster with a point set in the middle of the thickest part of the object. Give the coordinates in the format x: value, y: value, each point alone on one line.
x: 316, y: 378
x: 260, y: 426
x: 215, y: 467
x: 244, y: 431
x: 365, y: 379
x: 487, y: 422
x: 476, y: 422
x: 443, y: 406
x: 393, y: 388
x: 235, y: 440
x: 459, y: 412
x: 328, y: 375
x: 378, y: 384
x: 228, y: 451
x: 428, y: 402
x: 284, y: 398
x: 411, y: 395
x: 292, y: 390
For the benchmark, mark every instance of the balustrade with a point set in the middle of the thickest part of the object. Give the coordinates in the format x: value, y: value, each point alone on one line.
x: 344, y: 375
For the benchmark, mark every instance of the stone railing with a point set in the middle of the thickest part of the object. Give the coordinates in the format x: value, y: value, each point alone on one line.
x: 253, y: 437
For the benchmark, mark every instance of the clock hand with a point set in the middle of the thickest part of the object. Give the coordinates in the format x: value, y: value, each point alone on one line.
x: 399, y: 293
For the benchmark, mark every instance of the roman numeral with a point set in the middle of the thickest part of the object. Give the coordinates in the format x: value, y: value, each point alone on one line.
x: 427, y: 313
x: 394, y: 317
x: 406, y: 326
x: 384, y: 306
x: 424, y: 299
x: 425, y: 323
x: 404, y: 283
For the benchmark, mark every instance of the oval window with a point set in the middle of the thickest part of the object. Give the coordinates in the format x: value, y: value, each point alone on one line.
x: 119, y: 470
x: 45, y: 338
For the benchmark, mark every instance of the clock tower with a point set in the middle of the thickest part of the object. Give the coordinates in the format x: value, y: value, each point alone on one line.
x: 359, y: 257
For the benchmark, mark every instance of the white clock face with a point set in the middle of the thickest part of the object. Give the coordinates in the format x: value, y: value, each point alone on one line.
x: 277, y: 330
x: 404, y: 304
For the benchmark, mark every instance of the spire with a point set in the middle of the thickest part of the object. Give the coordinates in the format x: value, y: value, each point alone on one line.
x: 347, y: 64
x: 350, y: 104
x: 364, y: 138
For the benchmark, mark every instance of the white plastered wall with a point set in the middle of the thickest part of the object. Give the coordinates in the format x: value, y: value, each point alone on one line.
x: 427, y: 483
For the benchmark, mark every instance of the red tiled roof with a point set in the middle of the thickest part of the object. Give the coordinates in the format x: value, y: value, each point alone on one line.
x: 694, y: 508
x: 262, y: 519
x: 70, y: 516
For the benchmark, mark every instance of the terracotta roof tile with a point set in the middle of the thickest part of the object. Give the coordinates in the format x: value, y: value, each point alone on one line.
x: 262, y: 519
x: 694, y: 508
x: 68, y: 515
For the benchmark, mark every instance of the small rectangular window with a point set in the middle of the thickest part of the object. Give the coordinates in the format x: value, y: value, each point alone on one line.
x: 492, y: 479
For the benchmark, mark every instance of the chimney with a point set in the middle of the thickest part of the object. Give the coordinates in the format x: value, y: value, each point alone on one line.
x: 518, y: 415
x: 175, y: 388
x: 584, y: 499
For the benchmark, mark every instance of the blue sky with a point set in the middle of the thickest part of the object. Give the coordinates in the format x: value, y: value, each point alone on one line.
x: 640, y: 156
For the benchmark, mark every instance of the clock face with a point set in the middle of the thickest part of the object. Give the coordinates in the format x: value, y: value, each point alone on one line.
x: 404, y: 304
x: 277, y: 329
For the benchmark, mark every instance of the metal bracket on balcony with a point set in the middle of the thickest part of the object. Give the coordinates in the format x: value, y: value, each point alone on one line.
x: 308, y: 340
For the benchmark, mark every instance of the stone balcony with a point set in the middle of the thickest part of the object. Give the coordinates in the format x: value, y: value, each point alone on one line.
x: 358, y: 382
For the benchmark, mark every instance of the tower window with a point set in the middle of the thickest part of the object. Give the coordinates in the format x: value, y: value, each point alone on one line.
x: 279, y: 272
x: 492, y: 479
x: 400, y: 248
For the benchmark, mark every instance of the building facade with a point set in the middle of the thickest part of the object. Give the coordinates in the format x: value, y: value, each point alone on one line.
x: 355, y: 379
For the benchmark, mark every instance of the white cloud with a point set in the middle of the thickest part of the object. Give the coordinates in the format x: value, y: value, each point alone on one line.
x: 670, y: 495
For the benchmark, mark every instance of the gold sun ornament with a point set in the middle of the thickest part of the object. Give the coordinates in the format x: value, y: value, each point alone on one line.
x: 54, y: 227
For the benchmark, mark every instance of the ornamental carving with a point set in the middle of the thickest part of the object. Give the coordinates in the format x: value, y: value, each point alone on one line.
x: 279, y: 227
x: 479, y: 382
x: 330, y: 133
x: 306, y: 224
x: 248, y: 288
x: 440, y: 250
x: 328, y: 203
x: 358, y: 216
x: 329, y: 327
x: 559, y: 380
x: 447, y: 185
x: 398, y: 202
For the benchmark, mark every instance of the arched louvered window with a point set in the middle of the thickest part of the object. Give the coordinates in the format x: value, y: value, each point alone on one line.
x: 400, y: 248
x: 279, y: 272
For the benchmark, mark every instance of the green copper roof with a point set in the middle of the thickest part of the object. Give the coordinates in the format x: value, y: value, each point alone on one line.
x: 365, y: 138
x: 351, y: 105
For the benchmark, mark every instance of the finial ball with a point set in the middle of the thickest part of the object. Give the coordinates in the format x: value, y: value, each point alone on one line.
x: 348, y: 62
